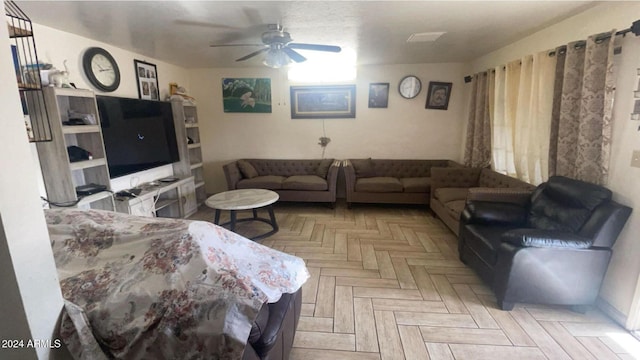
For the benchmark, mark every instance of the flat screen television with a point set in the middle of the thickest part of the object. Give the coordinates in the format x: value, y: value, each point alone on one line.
x: 138, y: 134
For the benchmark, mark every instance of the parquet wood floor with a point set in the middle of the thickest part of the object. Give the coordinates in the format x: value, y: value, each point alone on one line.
x: 386, y: 283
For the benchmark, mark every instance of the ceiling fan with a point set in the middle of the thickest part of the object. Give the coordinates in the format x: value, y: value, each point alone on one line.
x: 279, y: 47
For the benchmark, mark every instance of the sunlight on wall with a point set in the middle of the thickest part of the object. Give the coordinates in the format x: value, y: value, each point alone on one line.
x: 323, y: 67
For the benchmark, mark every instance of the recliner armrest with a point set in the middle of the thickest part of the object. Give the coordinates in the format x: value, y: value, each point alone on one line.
x: 546, y: 238
x: 493, y: 213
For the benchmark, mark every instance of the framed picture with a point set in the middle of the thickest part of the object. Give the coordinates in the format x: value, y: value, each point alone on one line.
x: 438, y: 95
x: 323, y: 102
x: 147, y: 79
x: 378, y: 95
x: 246, y: 95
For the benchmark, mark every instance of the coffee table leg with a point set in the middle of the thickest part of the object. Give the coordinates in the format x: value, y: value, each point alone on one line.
x: 232, y: 225
x: 255, y: 213
x: 274, y: 223
x: 217, y: 217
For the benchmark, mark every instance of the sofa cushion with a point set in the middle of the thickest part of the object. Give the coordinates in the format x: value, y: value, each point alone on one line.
x: 323, y: 168
x: 378, y: 184
x: 484, y: 240
x: 455, y: 207
x: 450, y: 194
x: 270, y: 182
x: 416, y: 185
x: 305, y: 182
x: 363, y: 168
x: 247, y: 170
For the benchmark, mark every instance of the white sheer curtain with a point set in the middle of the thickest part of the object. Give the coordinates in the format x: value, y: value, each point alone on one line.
x: 507, y: 83
x: 523, y: 103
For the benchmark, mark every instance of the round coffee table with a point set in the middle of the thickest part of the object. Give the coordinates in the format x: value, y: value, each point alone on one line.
x: 245, y: 199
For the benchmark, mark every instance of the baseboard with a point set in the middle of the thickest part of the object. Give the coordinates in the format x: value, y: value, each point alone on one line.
x: 611, y: 311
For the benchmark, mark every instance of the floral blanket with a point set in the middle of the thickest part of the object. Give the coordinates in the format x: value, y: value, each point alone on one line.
x: 146, y: 288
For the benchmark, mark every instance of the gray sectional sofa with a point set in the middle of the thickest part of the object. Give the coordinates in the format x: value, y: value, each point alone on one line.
x: 390, y: 181
x: 309, y: 180
x: 451, y: 188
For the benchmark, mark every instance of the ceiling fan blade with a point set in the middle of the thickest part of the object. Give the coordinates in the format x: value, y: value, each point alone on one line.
x: 294, y: 55
x: 253, y: 54
x: 224, y: 45
x: 204, y: 24
x: 316, y: 47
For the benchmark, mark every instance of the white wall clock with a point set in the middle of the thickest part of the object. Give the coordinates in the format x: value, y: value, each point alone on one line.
x: 101, y: 69
x: 409, y: 87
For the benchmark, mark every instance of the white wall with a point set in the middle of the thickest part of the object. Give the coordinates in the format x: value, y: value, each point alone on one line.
x: 403, y: 130
x: 55, y: 46
x: 31, y: 301
x: 620, y: 282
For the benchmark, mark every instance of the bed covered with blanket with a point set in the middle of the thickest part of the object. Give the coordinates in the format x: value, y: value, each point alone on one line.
x: 151, y: 288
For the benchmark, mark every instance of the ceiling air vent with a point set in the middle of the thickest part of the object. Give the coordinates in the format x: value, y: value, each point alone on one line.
x: 424, y: 37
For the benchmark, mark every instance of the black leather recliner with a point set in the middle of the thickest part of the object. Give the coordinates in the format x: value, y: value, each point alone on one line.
x: 274, y: 329
x: 554, y: 250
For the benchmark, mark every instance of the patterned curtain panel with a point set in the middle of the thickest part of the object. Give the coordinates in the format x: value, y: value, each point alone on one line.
x: 477, y: 151
x: 580, y: 142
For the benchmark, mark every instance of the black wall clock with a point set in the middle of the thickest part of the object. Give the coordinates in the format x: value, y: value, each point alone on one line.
x: 101, y: 69
x: 409, y: 87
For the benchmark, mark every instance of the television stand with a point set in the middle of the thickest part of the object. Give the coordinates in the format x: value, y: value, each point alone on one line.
x: 175, y: 199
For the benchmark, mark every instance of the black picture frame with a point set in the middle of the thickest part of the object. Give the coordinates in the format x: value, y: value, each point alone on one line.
x: 379, y: 95
x: 147, y: 80
x: 323, y: 102
x: 438, y: 95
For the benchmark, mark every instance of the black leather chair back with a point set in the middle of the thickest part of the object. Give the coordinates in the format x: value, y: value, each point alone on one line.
x: 565, y: 204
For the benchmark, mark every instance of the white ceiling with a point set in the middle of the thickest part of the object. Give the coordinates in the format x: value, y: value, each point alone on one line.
x: 180, y: 32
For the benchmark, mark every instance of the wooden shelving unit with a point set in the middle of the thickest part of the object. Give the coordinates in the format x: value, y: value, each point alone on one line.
x: 27, y: 69
x: 189, y: 146
x: 61, y: 176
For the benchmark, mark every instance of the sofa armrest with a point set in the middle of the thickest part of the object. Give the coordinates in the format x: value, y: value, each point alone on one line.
x: 455, y: 177
x: 506, y: 195
x: 493, y: 213
x: 332, y: 176
x: 350, y: 178
x: 545, y: 238
x: 232, y: 174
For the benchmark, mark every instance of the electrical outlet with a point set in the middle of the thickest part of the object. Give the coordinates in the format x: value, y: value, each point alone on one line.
x: 635, y: 158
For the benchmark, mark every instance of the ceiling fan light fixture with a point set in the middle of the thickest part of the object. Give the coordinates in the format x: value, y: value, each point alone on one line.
x: 276, y: 58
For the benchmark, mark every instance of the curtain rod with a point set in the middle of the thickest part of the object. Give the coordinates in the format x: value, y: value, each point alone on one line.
x: 635, y: 29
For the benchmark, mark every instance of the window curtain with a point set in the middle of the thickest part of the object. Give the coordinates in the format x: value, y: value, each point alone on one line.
x: 477, y: 151
x: 522, y: 118
x: 506, y: 98
x: 580, y: 140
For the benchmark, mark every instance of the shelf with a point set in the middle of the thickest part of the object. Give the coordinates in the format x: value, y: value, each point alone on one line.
x: 196, y: 165
x: 161, y: 204
x: 79, y: 165
x: 193, y: 146
x: 70, y: 92
x: 80, y: 129
x: 94, y: 197
x: 199, y: 184
x: 15, y: 32
x: 189, y: 126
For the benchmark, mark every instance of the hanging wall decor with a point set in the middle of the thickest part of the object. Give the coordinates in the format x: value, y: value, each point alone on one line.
x: 147, y: 80
x: 246, y: 95
x: 323, y: 102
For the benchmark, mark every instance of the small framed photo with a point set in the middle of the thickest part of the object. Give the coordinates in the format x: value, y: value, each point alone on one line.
x: 378, y: 95
x: 438, y: 95
x: 147, y: 79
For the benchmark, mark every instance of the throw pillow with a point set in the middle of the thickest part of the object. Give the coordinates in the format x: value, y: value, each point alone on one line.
x: 363, y: 168
x: 247, y: 169
x: 323, y: 168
